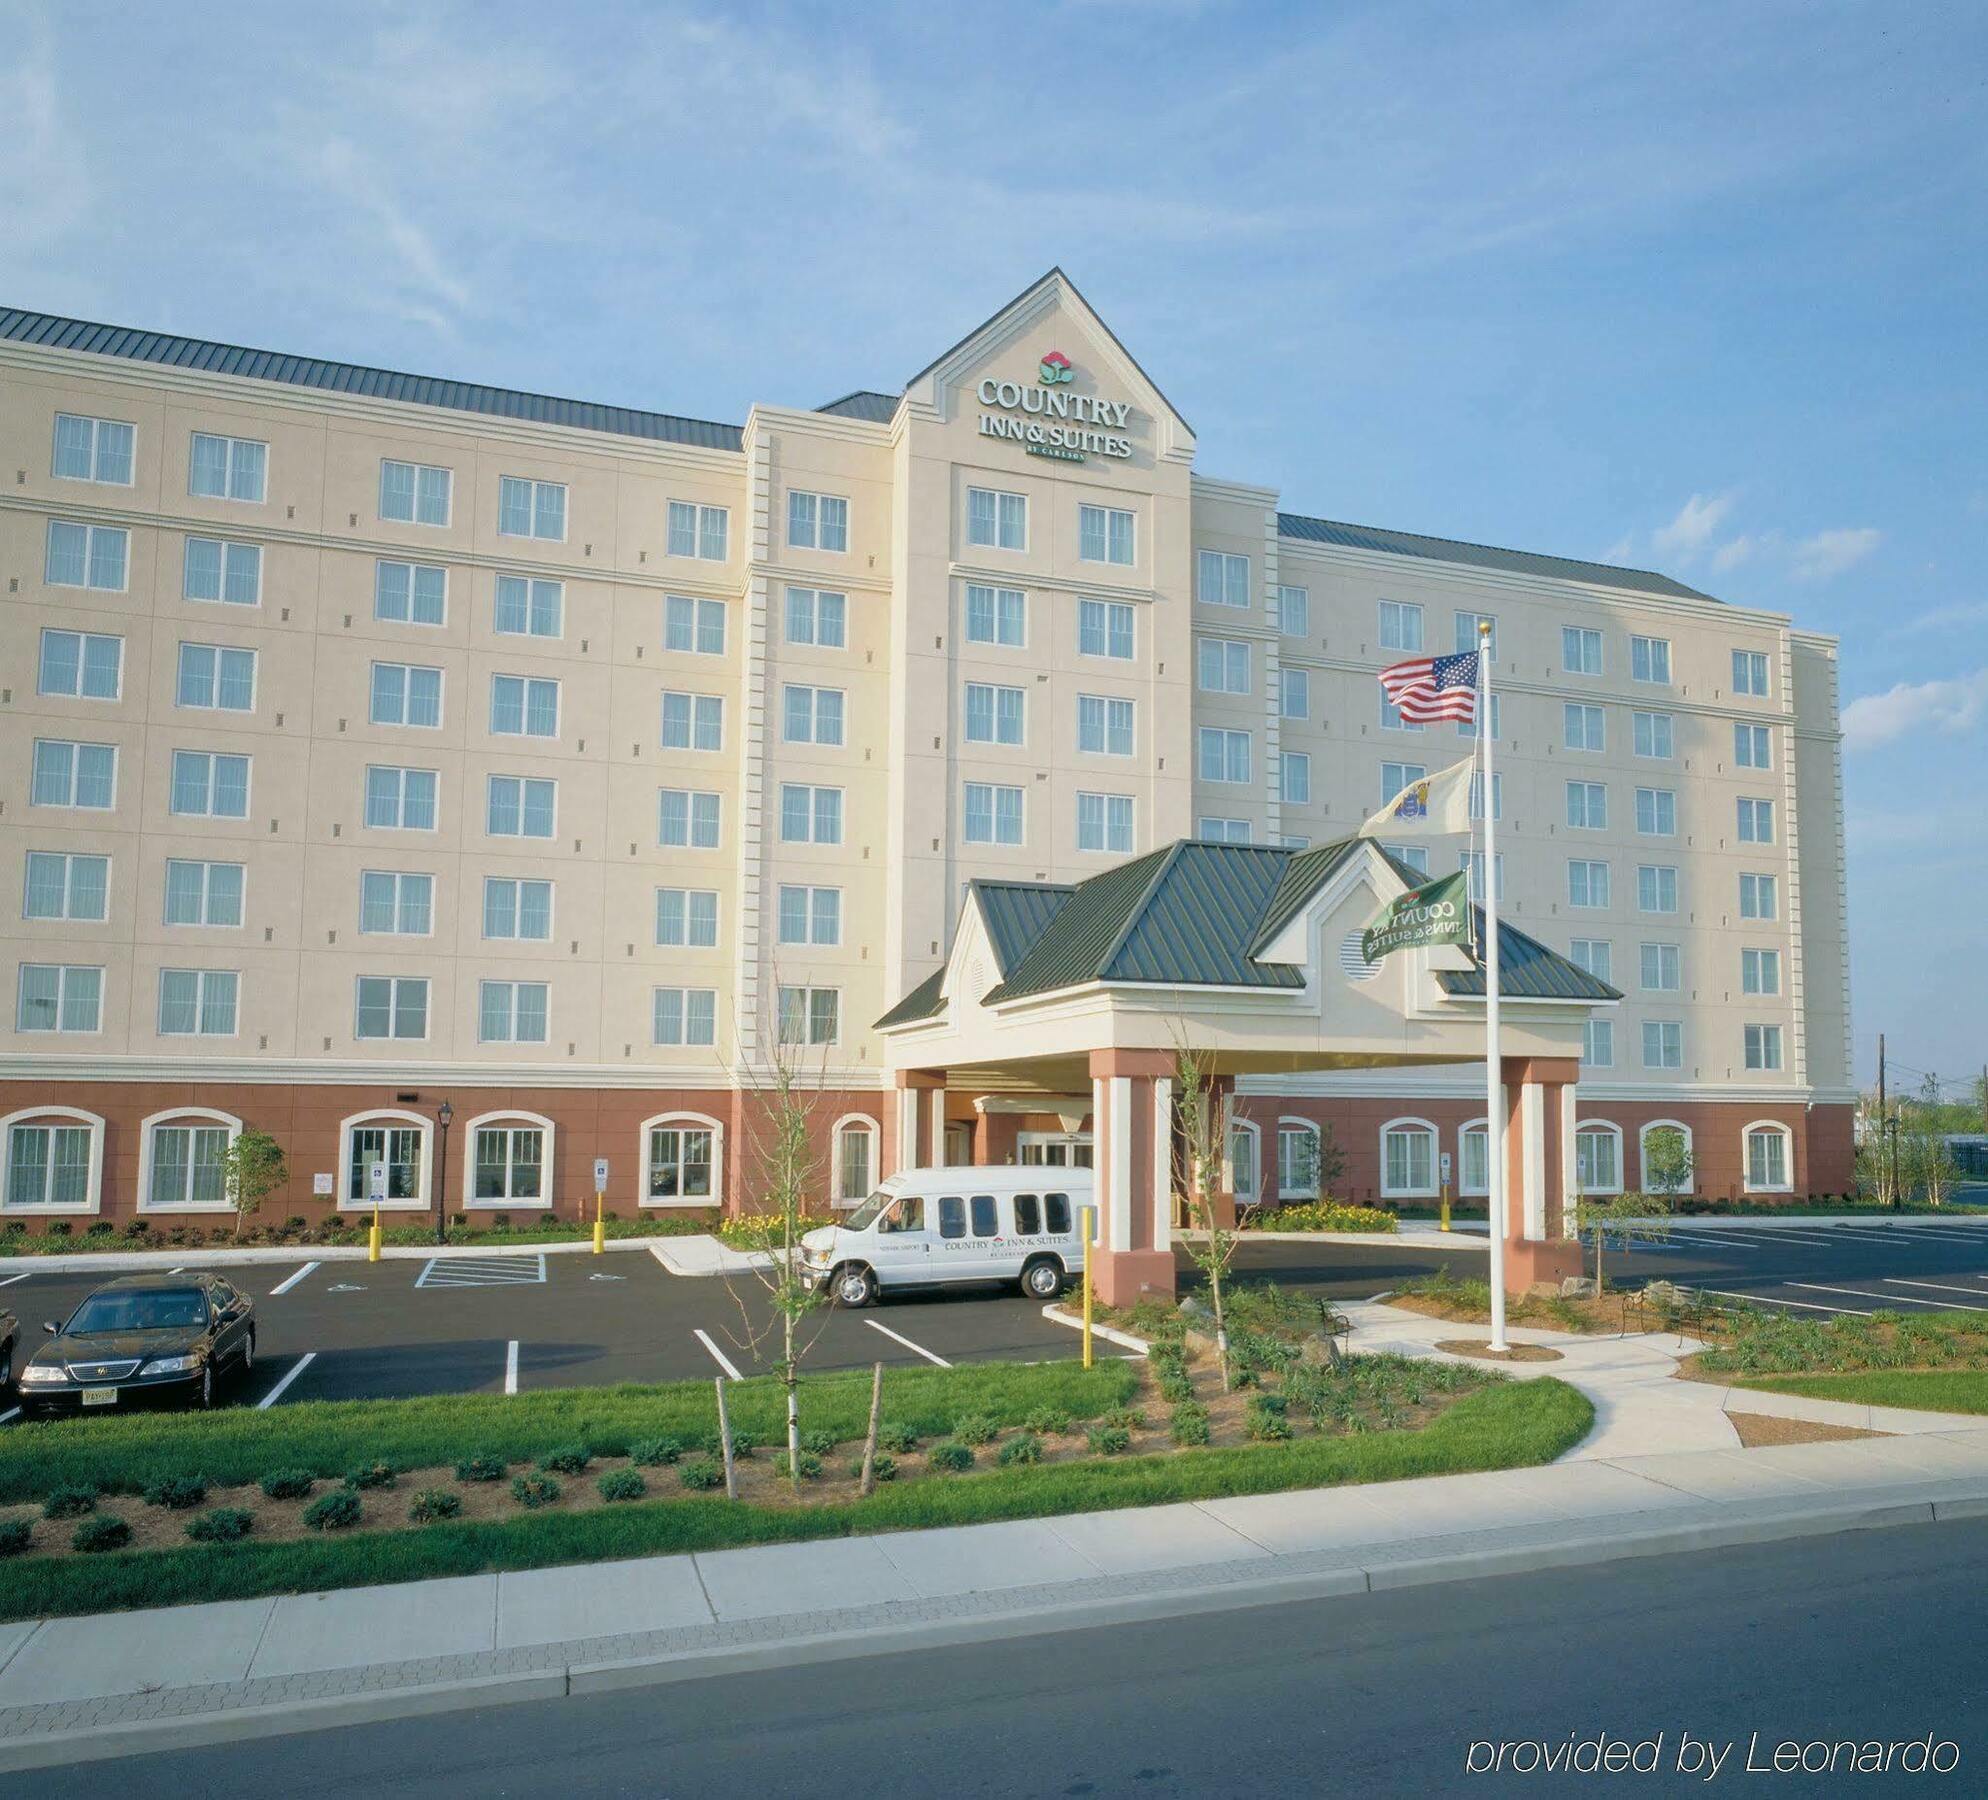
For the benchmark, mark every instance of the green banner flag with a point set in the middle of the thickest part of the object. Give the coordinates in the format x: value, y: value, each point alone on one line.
x: 1437, y: 912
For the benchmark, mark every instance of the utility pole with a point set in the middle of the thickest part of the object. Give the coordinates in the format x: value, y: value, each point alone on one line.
x: 1881, y: 1112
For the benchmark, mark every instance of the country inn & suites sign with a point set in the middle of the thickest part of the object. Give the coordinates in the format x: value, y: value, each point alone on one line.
x: 1047, y: 421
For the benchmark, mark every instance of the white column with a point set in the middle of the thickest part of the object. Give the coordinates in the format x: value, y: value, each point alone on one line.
x: 908, y: 1102
x: 936, y: 1125
x: 1118, y: 1171
x: 1162, y: 1163
x: 1570, y: 1166
x: 1532, y: 1126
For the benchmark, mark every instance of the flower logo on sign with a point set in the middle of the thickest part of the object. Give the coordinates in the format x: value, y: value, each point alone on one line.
x: 1056, y: 367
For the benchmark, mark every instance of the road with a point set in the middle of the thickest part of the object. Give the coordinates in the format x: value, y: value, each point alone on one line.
x: 1876, y: 1634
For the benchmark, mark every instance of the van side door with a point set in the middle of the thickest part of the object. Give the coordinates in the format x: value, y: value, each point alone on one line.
x: 901, y: 1243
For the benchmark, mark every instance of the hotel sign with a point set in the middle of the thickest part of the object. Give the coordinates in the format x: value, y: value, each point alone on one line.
x: 1047, y: 421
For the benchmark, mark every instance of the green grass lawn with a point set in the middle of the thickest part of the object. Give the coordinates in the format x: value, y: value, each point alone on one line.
x: 1929, y: 1390
x: 1507, y: 1424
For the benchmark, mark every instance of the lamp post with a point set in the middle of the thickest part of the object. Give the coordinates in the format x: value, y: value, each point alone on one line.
x: 1891, y: 1136
x: 445, y: 1116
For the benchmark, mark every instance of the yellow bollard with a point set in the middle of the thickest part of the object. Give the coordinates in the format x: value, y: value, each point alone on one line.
x: 373, y: 1238
x: 1446, y: 1206
x: 1090, y: 1214
x: 600, y: 1226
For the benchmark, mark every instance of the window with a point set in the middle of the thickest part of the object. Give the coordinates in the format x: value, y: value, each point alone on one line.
x: 1587, y: 806
x: 993, y: 813
x: 522, y: 706
x: 209, y: 786
x: 1598, y: 1159
x: 528, y: 608
x: 1408, y: 1159
x: 81, y: 665
x: 1750, y: 673
x: 1415, y: 856
x: 1105, y: 628
x: 1750, y: 747
x: 404, y: 694
x: 1105, y: 534
x: 1580, y: 650
x: 185, y: 1167
x: 1656, y: 889
x: 685, y: 1015
x: 510, y: 1012
x: 59, y: 997
x: 1756, y: 821
x: 533, y: 509
x: 400, y: 799
x: 1649, y: 660
x: 810, y: 1015
x: 810, y: 915
x: 1654, y: 735
x: 416, y: 593
x: 1662, y: 969
x: 1760, y: 971
x: 1222, y: 831
x: 693, y: 721
x: 1474, y: 1159
x: 1224, y: 755
x: 1297, y: 1162
x: 515, y: 806
x: 687, y: 819
x: 52, y: 1165
x: 1222, y: 665
x: 1767, y: 1159
x: 401, y: 1147
x: 810, y: 815
x: 226, y: 468
x: 700, y: 531
x: 1398, y: 775
x: 414, y: 493
x: 1295, y: 768
x: 813, y: 715
x: 815, y: 616
x: 1763, y: 1047
x: 215, y: 678
x: 86, y: 556
x: 697, y: 626
x: 997, y: 520
x: 92, y: 450
x: 1663, y: 1044
x: 817, y: 521
x: 197, y: 1002
x: 228, y: 572
x: 1294, y: 693
x: 1401, y: 625
x: 1584, y: 728
x: 1242, y: 1161
x: 1471, y: 862
x: 204, y: 893
x: 1587, y: 884
x: 58, y: 886
x: 1104, y: 725
x: 687, y: 917
x: 855, y: 1164
x: 392, y: 1006
x: 1596, y: 955
x: 996, y: 615
x: 1104, y: 822
x: 1221, y: 579
x: 681, y: 1160
x: 993, y: 714
x: 1294, y: 611
x: 515, y: 908
x: 1656, y: 812
x: 1598, y: 1044
x: 1497, y: 795
x: 507, y: 1163
x: 1467, y: 636
x: 1758, y: 897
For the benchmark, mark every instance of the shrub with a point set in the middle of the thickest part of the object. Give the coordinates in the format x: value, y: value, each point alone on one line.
x: 15, y: 1536
x: 1126, y: 1418
x: 432, y: 1504
x: 622, y: 1484
x: 378, y: 1474
x: 742, y: 1445
x: 61, y: 1228
x: 568, y: 1459
x: 950, y: 1458
x: 222, y: 1525
x: 817, y: 1443
x: 69, y: 1503
x: 1189, y: 1424
x: 883, y: 1467
x: 534, y: 1491
x: 180, y: 1493
x: 650, y: 1451
x: 137, y: 1228
x: 288, y: 1484
x: 1110, y: 1440
x: 334, y: 1511
x: 100, y: 1228
x: 1175, y: 1387
x: 1024, y: 1449
x: 102, y: 1531
x: 1319, y: 1215
x: 701, y: 1473
x: 807, y: 1466
x: 974, y: 1428
x: 482, y: 1467
x: 1264, y: 1421
x: 900, y: 1440
x: 1047, y: 1422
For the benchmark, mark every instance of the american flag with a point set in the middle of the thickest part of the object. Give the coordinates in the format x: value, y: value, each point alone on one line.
x: 1426, y: 688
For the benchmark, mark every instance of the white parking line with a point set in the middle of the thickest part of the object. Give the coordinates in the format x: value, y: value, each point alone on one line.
x: 1723, y: 1241
x: 900, y: 1338
x: 1942, y: 1287
x: 289, y: 1375
x: 1817, y: 1287
x: 724, y: 1362
x: 1776, y: 1300
x: 290, y: 1281
x: 1867, y: 1234
x: 11, y: 1279
x: 511, y: 1368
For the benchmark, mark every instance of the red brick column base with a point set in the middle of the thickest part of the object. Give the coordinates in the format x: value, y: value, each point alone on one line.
x: 1119, y: 1277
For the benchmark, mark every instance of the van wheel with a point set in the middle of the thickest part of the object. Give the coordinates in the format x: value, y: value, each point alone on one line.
x: 854, y: 1285
x: 1043, y: 1279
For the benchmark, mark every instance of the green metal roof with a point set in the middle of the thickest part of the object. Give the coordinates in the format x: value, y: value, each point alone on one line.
x: 923, y: 1002
x: 866, y: 404
x: 1527, y: 970
x: 1017, y: 914
x: 1185, y: 931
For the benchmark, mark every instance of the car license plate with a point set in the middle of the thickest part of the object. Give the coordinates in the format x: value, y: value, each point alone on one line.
x: 100, y: 1396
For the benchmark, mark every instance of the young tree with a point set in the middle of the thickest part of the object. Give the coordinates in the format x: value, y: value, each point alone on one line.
x: 1927, y: 1163
x: 1205, y: 1124
x: 1632, y: 1217
x: 251, y: 1167
x: 1667, y: 1162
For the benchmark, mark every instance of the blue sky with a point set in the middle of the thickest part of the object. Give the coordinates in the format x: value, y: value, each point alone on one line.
x: 1699, y: 287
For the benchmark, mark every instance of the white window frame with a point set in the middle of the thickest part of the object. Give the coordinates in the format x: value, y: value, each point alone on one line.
x: 1762, y: 884
x: 1661, y: 724
x: 29, y: 1116
x: 191, y: 1117
x: 1660, y: 1026
x: 689, y: 941
x: 63, y: 971
x: 1294, y: 777
x: 1753, y: 746
x: 1603, y: 1128
x: 84, y: 640
x: 1001, y: 514
x: 90, y: 535
x: 709, y: 527
x: 690, y: 624
x: 1109, y: 615
x: 526, y: 685
x: 691, y: 824
x: 229, y: 472
x: 817, y: 514
x: 1290, y: 1127
x: 698, y: 709
x: 1294, y: 611
x: 1644, y: 660
x: 201, y: 977
x: 213, y: 702
x: 1658, y: 797
x: 508, y: 1122
x: 212, y: 757
x: 1107, y: 805
x: 415, y: 493
x: 530, y: 599
x: 1221, y: 578
x: 1675, y: 961
x: 1213, y: 829
x: 1589, y: 865
x: 1588, y: 713
x: 1397, y: 623
x: 407, y: 671
x: 381, y: 564
x: 852, y: 1125
x: 537, y: 509
x: 1428, y: 1190
x: 1121, y: 532
x: 1643, y: 1152
x: 1746, y: 664
x: 523, y: 782
x: 820, y: 721
x: 1249, y: 1192
x: 1467, y: 638
x: 1465, y: 1187
x: 812, y: 934
x: 1576, y: 641
x: 1005, y: 608
x: 518, y: 883
x: 394, y: 984
x: 1658, y: 871
x: 1767, y: 1034
x: 1118, y: 719
x: 814, y: 790
x: 206, y: 866
x: 389, y: 1119
x: 95, y: 450
x: 68, y: 859
x: 1596, y: 1031
x: 683, y: 1040
x: 401, y: 771
x: 1787, y: 1183
x: 1228, y: 660
x: 227, y: 550
x: 1750, y: 813
x: 1229, y: 737
x: 807, y: 602
x: 680, y: 1120
x: 1756, y: 961
x: 1586, y: 790
x: 808, y: 991
x: 994, y: 790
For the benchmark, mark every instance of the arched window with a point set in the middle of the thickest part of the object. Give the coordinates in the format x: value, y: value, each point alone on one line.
x: 1243, y: 1162
x: 55, y: 1160
x: 1297, y: 1159
x: 180, y: 1160
x: 1770, y: 1158
x: 1474, y: 1158
x: 1598, y: 1156
x: 1408, y: 1159
x: 855, y: 1158
x: 1664, y: 1155
x: 402, y: 1141
x: 507, y: 1160
x: 682, y: 1160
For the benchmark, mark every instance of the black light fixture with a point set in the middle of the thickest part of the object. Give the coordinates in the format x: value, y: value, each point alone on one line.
x: 445, y: 1116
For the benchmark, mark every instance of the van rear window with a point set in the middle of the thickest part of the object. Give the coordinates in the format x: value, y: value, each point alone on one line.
x: 952, y: 1216
x: 1028, y: 1215
x: 986, y: 1216
x: 1058, y: 1207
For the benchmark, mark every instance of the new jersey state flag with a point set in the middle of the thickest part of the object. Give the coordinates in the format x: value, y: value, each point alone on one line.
x: 1436, y: 806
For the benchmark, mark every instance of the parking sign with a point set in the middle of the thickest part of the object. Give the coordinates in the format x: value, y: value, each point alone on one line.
x: 1446, y: 1165
x: 376, y: 1182
x: 600, y: 1174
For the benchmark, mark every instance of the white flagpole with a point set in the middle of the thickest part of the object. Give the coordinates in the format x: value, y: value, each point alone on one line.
x: 1494, y: 1116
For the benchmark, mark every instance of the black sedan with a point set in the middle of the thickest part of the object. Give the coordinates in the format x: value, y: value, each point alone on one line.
x: 10, y: 1335
x: 147, y: 1340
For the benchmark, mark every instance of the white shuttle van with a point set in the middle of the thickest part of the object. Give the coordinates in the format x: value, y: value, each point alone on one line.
x: 935, y: 1227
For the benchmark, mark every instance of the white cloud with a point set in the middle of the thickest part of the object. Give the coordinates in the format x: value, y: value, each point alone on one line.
x: 1967, y: 612
x: 1829, y: 553
x: 1947, y: 705
x: 1697, y: 520
x: 1735, y: 551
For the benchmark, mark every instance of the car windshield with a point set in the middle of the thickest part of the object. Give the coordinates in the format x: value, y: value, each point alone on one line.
x: 140, y: 1311
x: 866, y: 1215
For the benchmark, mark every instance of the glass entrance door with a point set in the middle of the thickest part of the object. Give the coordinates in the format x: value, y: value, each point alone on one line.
x: 1054, y: 1149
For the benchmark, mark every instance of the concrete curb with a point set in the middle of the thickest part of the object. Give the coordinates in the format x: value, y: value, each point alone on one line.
x: 122, y: 1262
x: 1898, y: 1420
x: 1797, y: 1221
x: 1055, y: 1313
